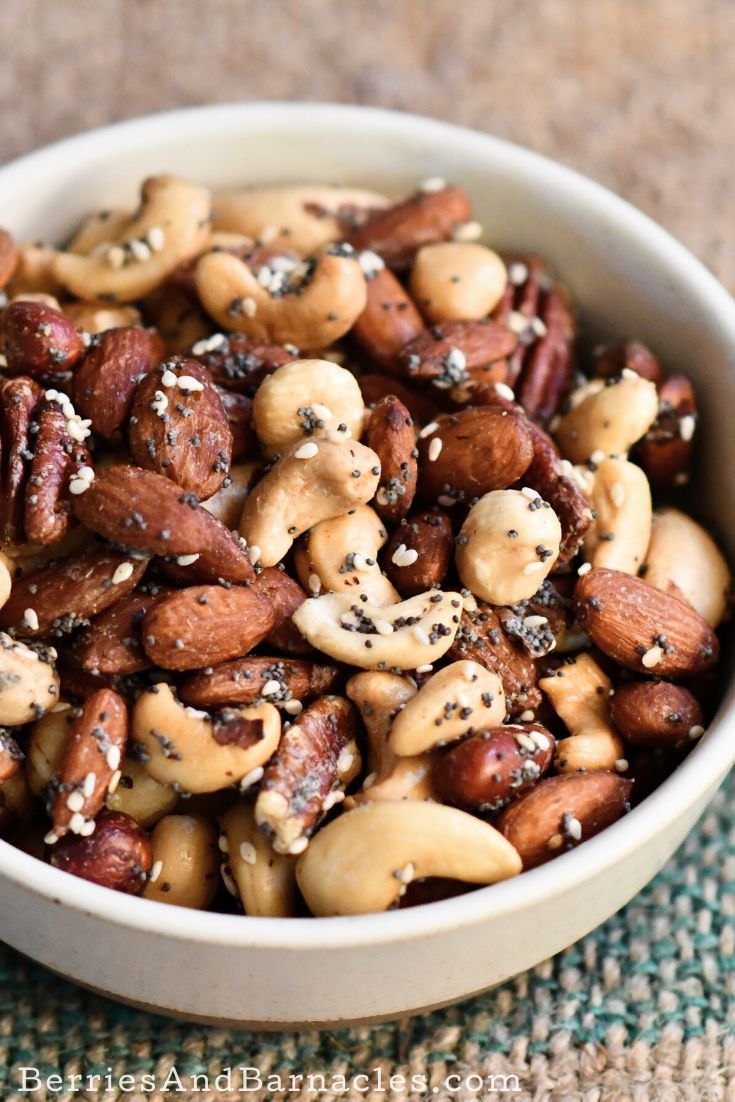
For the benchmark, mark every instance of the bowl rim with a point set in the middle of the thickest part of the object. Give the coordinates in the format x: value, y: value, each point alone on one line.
x: 704, y: 767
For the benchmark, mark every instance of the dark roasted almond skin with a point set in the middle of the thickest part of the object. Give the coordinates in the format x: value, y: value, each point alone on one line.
x: 285, y: 596
x: 389, y: 321
x: 112, y: 644
x: 432, y: 354
x: 144, y: 510
x: 391, y: 435
x: 643, y: 628
x: 541, y: 823
x: 95, y: 747
x: 374, y: 387
x: 430, y: 535
x: 188, y: 441
x: 65, y: 594
x: 656, y: 714
x: 397, y: 233
x: 241, y: 681
x: 39, y: 340
x: 491, y: 768
x: 481, y: 638
x: 118, y: 855
x: 478, y: 450
x: 105, y: 382
x: 664, y: 453
x: 239, y: 412
x: 205, y: 625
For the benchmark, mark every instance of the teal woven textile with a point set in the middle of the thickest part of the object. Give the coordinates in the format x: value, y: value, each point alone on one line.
x: 641, y: 1009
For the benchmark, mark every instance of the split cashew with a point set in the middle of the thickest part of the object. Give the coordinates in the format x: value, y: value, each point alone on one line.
x: 342, y: 555
x: 185, y: 870
x: 580, y: 694
x: 459, y: 700
x: 312, y: 481
x: 620, y: 499
x: 304, y: 400
x: 364, y: 860
x: 265, y: 880
x: 196, y: 752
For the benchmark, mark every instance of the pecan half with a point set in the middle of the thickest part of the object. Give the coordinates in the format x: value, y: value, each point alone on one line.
x: 430, y: 536
x: 537, y: 622
x: 205, y: 625
x: 239, y: 363
x: 105, y: 382
x: 18, y: 401
x: 481, y: 638
x: 118, y: 855
x: 389, y: 321
x: 57, y: 458
x: 397, y: 233
x: 144, y: 510
x: 178, y: 427
x: 472, y: 452
x: 391, y: 436
x: 316, y: 759
x: 64, y: 595
x: 665, y: 452
x: 449, y: 354
x: 92, y: 755
x: 243, y: 681
x: 541, y: 369
x: 39, y: 340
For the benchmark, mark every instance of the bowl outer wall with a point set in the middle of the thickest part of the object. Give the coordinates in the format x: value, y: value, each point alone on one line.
x: 629, y: 278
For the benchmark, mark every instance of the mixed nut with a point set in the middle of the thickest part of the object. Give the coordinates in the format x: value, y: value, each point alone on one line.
x: 327, y: 578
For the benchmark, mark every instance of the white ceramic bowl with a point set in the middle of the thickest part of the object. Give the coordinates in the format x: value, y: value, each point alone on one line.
x: 630, y: 279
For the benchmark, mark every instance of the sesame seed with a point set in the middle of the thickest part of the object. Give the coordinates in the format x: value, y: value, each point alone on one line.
x: 168, y: 378
x: 271, y: 688
x: 115, y: 256
x: 617, y: 494
x: 505, y: 391
x: 188, y: 382
x: 584, y: 569
x: 687, y: 426
x: 248, y: 853
x: 51, y: 839
x: 652, y: 657
x: 315, y: 583
x: 432, y: 184
x: 122, y: 573
x: 574, y: 829
x: 517, y: 273
x: 532, y: 567
x: 30, y: 619
x: 156, y: 238
x: 435, y: 448
x: 249, y: 307
x: 155, y: 872
x: 251, y: 778
x: 621, y: 765
x: 598, y: 456
x: 114, y: 782
x: 426, y: 668
x: 90, y: 782
x: 254, y: 553
x: 223, y: 843
x: 140, y: 250
x: 298, y: 845
x: 306, y: 451
x: 75, y: 801
x: 468, y: 231
x: 383, y: 627
x: 186, y: 560
x: 530, y: 493
x: 77, y: 823
x: 370, y: 263
x: 293, y: 707
x: 420, y: 635
x: 527, y: 717
x: 696, y: 731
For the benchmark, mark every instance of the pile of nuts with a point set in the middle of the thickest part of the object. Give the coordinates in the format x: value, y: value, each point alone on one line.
x: 328, y: 583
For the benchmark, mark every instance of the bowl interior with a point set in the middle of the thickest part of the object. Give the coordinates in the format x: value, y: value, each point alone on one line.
x: 626, y: 275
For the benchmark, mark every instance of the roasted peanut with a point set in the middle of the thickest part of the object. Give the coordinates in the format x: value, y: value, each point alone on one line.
x: 185, y: 862
x: 198, y: 752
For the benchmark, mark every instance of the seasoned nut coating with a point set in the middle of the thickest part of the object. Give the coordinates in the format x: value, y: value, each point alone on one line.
x: 105, y: 381
x: 481, y: 638
x: 118, y: 855
x: 391, y: 436
x: 485, y: 772
x: 419, y: 552
x: 473, y: 452
x: 39, y: 340
x: 447, y: 354
x: 286, y: 682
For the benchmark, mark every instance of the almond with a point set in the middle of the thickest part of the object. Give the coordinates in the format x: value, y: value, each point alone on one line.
x: 144, y: 510
x: 397, y: 233
x: 285, y: 596
x: 491, y: 768
x: 39, y: 340
x: 239, y: 412
x: 656, y: 713
x: 611, y: 361
x: 643, y: 628
x: 63, y: 595
x: 93, y: 751
x: 430, y: 536
x: 447, y: 354
x: 481, y: 638
x: 473, y: 452
x: 118, y: 855
x: 391, y: 436
x: 242, y: 681
x: 420, y: 406
x: 179, y: 430
x: 561, y: 812
x: 205, y: 625
x: 112, y: 644
x: 389, y: 321
x: 239, y: 363
x: 105, y: 382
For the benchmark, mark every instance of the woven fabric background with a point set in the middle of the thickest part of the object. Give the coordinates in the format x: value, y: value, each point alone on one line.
x: 637, y: 93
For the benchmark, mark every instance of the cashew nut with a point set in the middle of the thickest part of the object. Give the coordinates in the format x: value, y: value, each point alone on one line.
x: 198, y: 752
x: 684, y: 560
x: 28, y: 682
x: 607, y: 416
x: 137, y: 794
x: 227, y: 504
x: 306, y: 399
x: 457, y: 281
x: 265, y: 880
x: 34, y: 273
x: 312, y: 481
x: 461, y: 699
x: 96, y: 317
x: 17, y: 803
x: 171, y: 226
x: 580, y: 695
x: 507, y: 546
x: 185, y: 870
x: 380, y: 695
x: 620, y: 499
x: 406, y: 635
x: 46, y: 747
x: 302, y: 218
x: 363, y: 861
x: 314, y: 306
x: 342, y: 554
x: 98, y: 229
